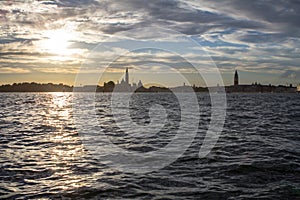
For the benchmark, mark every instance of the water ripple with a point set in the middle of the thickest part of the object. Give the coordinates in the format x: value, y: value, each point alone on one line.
x: 257, y: 155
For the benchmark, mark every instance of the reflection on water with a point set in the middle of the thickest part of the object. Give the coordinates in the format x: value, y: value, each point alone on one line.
x: 41, y: 155
x: 39, y: 145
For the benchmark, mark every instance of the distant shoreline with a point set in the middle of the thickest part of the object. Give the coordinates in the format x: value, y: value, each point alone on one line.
x: 150, y: 92
x: 50, y: 87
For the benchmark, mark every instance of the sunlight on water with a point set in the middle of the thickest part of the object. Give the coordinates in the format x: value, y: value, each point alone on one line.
x: 67, y: 147
x: 59, y: 99
x: 42, y: 156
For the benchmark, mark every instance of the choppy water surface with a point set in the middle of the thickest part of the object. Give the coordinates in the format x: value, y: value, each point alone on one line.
x: 257, y: 155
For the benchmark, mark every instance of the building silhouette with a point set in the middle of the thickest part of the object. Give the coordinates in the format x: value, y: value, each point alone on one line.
x: 127, y: 76
x: 125, y: 86
x: 236, y: 78
x: 140, y: 84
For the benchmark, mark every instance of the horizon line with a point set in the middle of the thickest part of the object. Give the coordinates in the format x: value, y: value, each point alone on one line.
x: 184, y: 85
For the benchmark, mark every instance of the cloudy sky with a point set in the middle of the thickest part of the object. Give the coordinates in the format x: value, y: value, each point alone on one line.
x: 53, y: 40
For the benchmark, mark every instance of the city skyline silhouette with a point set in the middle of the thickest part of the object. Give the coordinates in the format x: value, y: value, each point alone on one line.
x: 125, y: 86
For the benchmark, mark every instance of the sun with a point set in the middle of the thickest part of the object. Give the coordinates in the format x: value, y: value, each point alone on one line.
x: 57, y: 42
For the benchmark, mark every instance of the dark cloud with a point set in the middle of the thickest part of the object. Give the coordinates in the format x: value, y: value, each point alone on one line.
x: 281, y: 11
x: 2, y: 54
x: 13, y: 39
x: 277, y: 16
x: 178, y: 16
x: 72, y: 3
x: 259, y: 37
x: 117, y: 27
x: 290, y: 74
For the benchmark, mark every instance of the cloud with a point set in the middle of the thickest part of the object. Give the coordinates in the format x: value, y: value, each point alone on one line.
x: 290, y: 74
x: 13, y: 70
x: 251, y: 35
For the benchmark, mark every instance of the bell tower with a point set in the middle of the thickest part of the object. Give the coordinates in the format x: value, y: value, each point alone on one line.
x: 236, y: 78
x: 126, y: 76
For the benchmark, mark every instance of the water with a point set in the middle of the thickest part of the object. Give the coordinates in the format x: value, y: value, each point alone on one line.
x: 257, y: 155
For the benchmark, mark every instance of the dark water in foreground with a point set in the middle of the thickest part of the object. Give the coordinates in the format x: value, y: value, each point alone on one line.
x: 256, y: 157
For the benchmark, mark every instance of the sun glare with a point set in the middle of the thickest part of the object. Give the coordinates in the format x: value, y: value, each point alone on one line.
x: 57, y: 42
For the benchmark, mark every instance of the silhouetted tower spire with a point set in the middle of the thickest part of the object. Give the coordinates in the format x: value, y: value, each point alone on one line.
x: 126, y: 76
x: 236, y: 78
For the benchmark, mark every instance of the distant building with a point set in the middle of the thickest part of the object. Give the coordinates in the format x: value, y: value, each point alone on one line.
x: 298, y: 88
x: 236, y: 78
x: 85, y: 88
x: 140, y: 84
x: 127, y: 76
x: 109, y: 86
x: 125, y: 86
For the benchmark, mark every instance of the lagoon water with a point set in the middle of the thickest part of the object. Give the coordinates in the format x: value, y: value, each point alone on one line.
x: 256, y: 157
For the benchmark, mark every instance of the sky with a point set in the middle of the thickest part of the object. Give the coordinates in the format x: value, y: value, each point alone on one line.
x: 55, y: 40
